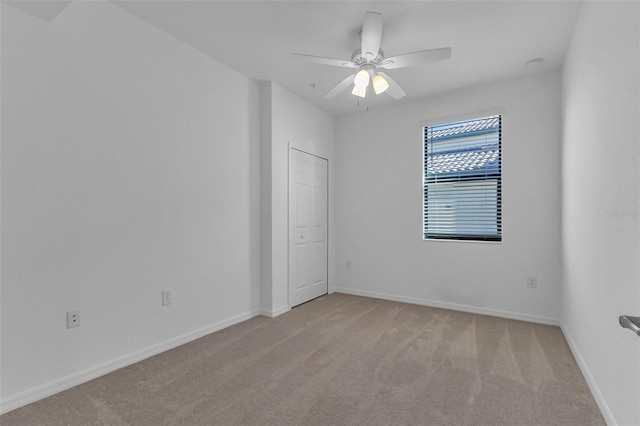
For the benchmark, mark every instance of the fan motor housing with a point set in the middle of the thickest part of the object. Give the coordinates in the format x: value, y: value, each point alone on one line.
x: 359, y: 59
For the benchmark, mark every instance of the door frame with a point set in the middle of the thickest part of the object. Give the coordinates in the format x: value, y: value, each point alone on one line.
x: 289, y: 149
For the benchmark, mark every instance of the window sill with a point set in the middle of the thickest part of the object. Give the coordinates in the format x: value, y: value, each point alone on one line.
x: 462, y: 241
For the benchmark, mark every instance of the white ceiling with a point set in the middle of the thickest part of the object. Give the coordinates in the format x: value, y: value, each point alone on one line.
x: 47, y: 10
x: 490, y: 40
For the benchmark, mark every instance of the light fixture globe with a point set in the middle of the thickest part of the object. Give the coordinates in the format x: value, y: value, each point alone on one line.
x: 360, y: 91
x: 362, y: 78
x: 380, y: 84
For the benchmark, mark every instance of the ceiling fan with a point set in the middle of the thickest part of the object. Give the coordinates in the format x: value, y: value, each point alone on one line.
x: 369, y: 59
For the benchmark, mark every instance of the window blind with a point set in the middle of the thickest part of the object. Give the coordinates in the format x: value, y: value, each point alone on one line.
x: 463, y: 180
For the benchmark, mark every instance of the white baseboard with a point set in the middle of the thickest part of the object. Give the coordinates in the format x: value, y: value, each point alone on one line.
x: 39, y: 392
x: 591, y: 382
x: 453, y: 306
x: 275, y: 312
x: 42, y: 391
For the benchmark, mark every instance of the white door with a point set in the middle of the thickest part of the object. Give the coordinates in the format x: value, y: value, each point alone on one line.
x: 307, y: 227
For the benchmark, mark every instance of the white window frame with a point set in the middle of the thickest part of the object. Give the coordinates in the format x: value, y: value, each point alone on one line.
x: 468, y: 223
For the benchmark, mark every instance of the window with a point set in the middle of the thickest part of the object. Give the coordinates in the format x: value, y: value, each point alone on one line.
x: 463, y: 180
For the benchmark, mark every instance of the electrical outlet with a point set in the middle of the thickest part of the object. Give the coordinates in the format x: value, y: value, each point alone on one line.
x: 532, y: 282
x: 73, y: 319
x: 166, y: 297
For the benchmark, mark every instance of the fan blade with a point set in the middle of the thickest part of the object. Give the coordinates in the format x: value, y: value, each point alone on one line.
x: 324, y: 61
x: 416, y: 58
x: 394, y: 90
x: 340, y: 86
x: 371, y: 35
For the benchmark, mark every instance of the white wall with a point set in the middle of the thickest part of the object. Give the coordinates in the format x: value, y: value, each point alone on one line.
x: 130, y: 164
x: 266, y: 206
x: 379, y: 205
x: 601, y: 159
x: 288, y: 121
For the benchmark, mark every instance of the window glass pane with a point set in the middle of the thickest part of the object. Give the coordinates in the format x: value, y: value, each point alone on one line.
x: 462, y: 180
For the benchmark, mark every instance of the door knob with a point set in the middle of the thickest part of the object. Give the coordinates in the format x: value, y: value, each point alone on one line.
x: 632, y: 323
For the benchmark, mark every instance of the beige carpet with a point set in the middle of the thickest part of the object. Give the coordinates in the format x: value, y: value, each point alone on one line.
x: 342, y: 360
